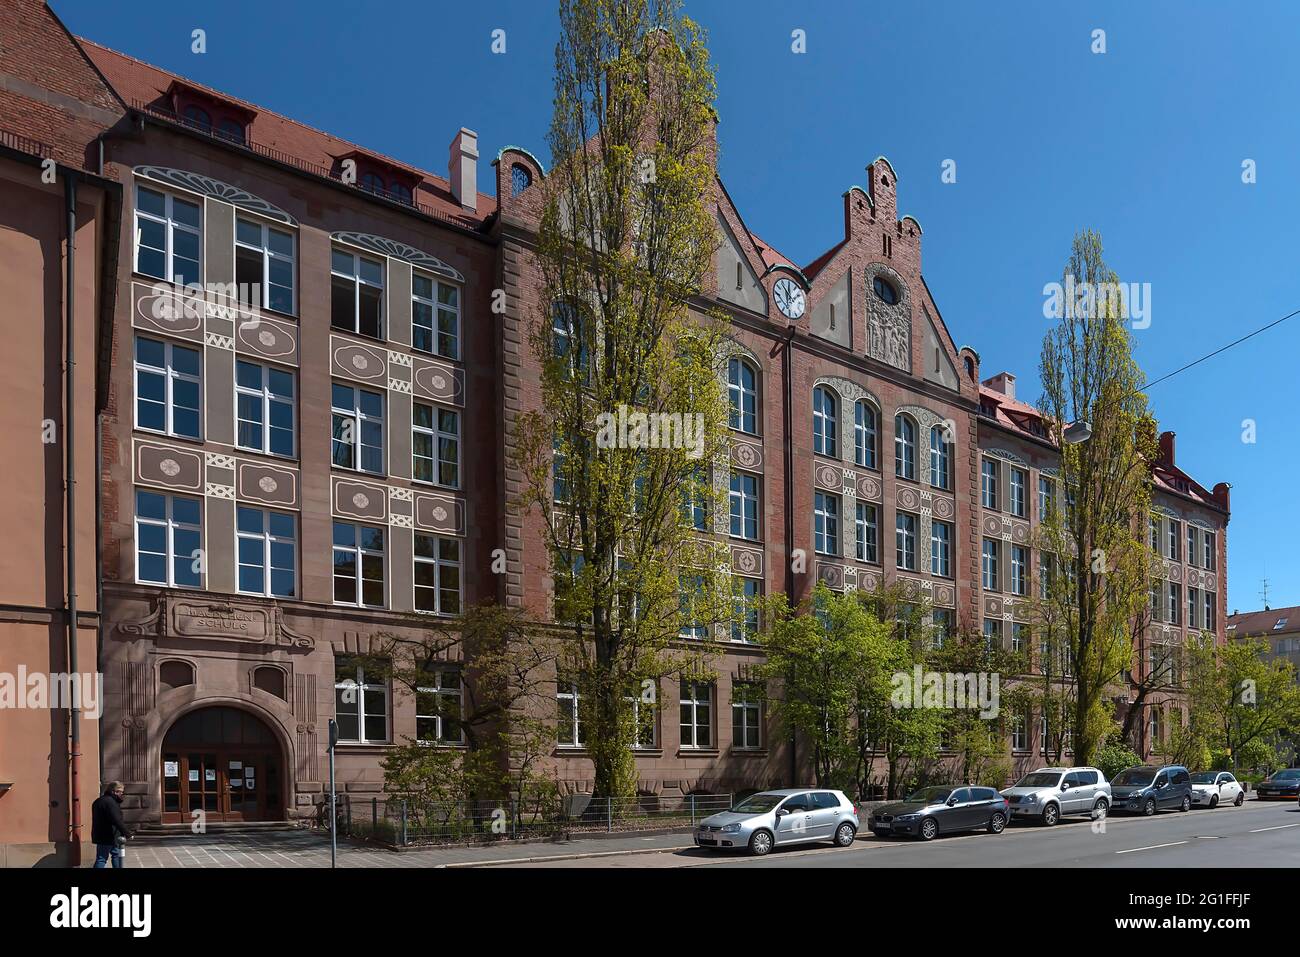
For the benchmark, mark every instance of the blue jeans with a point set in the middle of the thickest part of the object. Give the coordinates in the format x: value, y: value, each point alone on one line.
x: 104, y: 851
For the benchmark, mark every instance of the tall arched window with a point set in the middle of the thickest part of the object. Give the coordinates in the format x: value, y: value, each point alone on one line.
x: 742, y: 392
x: 825, y: 422
x: 864, y: 434
x: 940, y: 450
x: 904, y: 447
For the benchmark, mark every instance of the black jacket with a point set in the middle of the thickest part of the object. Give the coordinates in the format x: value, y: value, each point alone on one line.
x: 106, y: 820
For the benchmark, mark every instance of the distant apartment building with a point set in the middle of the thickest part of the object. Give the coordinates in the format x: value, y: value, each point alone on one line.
x: 286, y: 478
x: 1279, y: 628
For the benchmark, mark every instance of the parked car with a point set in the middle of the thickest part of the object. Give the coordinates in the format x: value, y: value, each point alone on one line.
x: 1212, y: 788
x: 1280, y: 784
x: 1145, y: 789
x: 777, y: 818
x: 929, y: 812
x: 1049, y: 793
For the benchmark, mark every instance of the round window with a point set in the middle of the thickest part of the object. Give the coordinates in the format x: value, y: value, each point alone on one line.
x: 884, y: 290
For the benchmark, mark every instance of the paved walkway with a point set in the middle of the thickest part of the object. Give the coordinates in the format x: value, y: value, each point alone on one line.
x: 312, y: 849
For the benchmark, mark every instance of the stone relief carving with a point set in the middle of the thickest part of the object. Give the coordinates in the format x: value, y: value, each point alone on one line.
x: 889, y: 327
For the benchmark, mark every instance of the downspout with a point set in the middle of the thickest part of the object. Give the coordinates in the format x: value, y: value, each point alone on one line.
x: 787, y: 381
x: 69, y: 419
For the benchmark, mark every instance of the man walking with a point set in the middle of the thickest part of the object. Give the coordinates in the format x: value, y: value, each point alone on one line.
x: 107, y: 828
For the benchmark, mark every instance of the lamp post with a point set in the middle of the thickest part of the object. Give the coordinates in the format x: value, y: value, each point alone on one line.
x: 1076, y: 432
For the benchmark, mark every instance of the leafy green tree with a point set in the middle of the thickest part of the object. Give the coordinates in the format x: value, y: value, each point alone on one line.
x: 1114, y: 756
x: 626, y: 239
x: 1097, y: 533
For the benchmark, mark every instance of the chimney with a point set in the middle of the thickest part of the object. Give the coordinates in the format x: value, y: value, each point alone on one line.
x: 1003, y: 382
x: 1167, y: 448
x: 462, y: 166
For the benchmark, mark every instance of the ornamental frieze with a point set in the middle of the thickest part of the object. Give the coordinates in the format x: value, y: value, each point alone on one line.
x: 177, y: 617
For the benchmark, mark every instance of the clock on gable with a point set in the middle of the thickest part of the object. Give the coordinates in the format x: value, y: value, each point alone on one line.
x: 789, y: 298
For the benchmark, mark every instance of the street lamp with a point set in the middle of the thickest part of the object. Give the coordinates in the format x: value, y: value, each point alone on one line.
x: 1076, y: 432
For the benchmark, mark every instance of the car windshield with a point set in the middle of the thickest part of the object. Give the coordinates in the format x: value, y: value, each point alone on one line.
x: 1040, y: 779
x: 930, y: 795
x: 758, y: 803
x: 1205, y: 777
x: 1135, y: 776
x: 1290, y: 774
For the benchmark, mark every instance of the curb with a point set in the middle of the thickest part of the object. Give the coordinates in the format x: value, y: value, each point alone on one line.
x: 567, y: 857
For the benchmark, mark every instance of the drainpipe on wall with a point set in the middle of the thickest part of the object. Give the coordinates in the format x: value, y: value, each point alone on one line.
x: 788, y: 452
x: 70, y: 497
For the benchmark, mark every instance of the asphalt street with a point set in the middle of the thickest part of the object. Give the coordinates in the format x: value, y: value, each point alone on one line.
x: 1257, y: 834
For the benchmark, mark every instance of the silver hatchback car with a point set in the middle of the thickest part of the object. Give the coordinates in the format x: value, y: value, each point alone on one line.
x: 778, y: 818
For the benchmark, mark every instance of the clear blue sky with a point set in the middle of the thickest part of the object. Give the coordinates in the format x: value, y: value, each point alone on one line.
x: 1143, y: 143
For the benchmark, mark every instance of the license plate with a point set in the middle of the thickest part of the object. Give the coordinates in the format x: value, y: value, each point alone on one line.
x: 709, y: 840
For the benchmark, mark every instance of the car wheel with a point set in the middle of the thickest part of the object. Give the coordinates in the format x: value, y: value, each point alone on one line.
x: 844, y: 835
x: 997, y: 823
x: 928, y: 830
x: 1187, y: 803
x: 1214, y: 801
x: 1051, y: 814
x: 1241, y: 797
x: 1149, y: 808
x: 760, y: 843
x: 1101, y: 808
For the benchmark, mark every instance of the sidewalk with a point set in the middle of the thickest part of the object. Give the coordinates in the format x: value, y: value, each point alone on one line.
x: 312, y: 849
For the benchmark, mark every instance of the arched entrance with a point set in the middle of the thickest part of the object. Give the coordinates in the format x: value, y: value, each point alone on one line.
x: 225, y: 762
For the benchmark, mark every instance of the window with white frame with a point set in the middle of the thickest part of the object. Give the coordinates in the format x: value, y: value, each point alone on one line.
x: 992, y: 633
x: 1193, y: 607
x: 264, y: 409
x: 825, y: 422
x: 1175, y: 603
x: 435, y: 445
x: 868, y: 533
x: 438, y: 705
x: 645, y: 728
x: 941, y: 626
x: 168, y: 237
x: 437, y: 574
x: 743, y: 501
x: 1019, y: 637
x: 168, y: 540
x: 746, y: 716
x: 904, y: 447
x: 264, y: 265
x: 356, y: 294
x: 1155, y: 534
x: 1175, y: 540
x: 267, y: 552
x: 1210, y: 554
x: 1211, y: 617
x: 1019, y: 479
x: 168, y: 388
x: 989, y: 567
x: 905, y: 540
x: 696, y: 705
x: 826, y: 524
x: 747, y: 593
x: 742, y: 394
x: 1157, y: 600
x: 360, y: 702
x: 989, y: 483
x: 1019, y: 570
x: 940, y: 465
x: 940, y: 549
x: 357, y: 440
x: 695, y: 501
x: 359, y: 565
x: 1193, y: 558
x: 691, y: 600
x: 865, y: 434
x: 1046, y: 497
x: 1019, y: 733
x: 435, y: 316
x: 569, y: 339
x: 569, y: 727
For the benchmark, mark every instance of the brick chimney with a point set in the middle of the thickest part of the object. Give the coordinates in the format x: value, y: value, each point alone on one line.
x: 462, y: 166
x: 1003, y: 382
x: 1167, y: 448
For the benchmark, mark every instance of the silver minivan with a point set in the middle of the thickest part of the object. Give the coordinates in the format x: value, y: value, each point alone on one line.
x: 776, y: 818
x: 1048, y: 794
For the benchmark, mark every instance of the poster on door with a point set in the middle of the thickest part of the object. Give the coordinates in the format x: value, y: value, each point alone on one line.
x: 171, y: 769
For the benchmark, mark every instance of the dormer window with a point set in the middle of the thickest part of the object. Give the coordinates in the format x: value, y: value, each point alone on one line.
x: 401, y: 193
x: 232, y: 130
x: 373, y: 182
x: 198, y: 117
x: 884, y: 291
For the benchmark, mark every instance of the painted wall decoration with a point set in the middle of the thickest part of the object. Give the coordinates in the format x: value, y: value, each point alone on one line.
x: 398, y: 250
x: 207, y: 186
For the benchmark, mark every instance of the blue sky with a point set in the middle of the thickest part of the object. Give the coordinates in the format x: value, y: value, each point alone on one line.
x: 1144, y: 143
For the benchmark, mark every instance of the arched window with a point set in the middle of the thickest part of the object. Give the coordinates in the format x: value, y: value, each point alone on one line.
x: 940, y: 450
x: 825, y: 422
x: 232, y: 130
x: 401, y: 193
x: 198, y: 116
x: 864, y: 434
x: 269, y: 679
x: 373, y: 182
x: 742, y: 391
x: 904, y: 447
x: 884, y: 290
x: 175, y: 674
x: 520, y: 179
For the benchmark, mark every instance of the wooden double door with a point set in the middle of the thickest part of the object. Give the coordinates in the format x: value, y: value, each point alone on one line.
x: 225, y: 763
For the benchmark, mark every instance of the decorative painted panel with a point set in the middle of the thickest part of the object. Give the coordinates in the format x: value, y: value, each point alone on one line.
x: 168, y: 466
x: 747, y: 455
x: 354, y: 360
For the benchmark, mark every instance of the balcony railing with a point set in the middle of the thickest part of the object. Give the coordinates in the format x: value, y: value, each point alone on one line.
x: 24, y: 144
x: 288, y: 159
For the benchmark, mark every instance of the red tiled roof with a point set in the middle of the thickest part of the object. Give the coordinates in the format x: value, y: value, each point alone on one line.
x: 770, y: 256
x: 1263, y: 622
x: 142, y: 84
x: 1011, y: 413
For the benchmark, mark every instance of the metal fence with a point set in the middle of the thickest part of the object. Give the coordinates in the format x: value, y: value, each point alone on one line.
x: 400, y: 822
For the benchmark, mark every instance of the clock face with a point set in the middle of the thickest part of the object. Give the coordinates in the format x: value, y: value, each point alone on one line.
x: 789, y: 298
